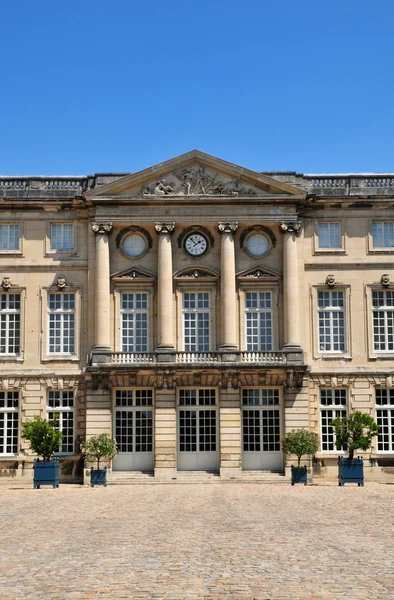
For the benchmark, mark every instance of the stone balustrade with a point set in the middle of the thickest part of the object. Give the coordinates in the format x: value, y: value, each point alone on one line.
x: 144, y: 358
x: 271, y: 358
x: 129, y: 358
x: 197, y: 357
x: 70, y: 185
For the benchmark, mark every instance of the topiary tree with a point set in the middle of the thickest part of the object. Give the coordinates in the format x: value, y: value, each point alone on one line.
x: 99, y: 447
x: 354, y: 432
x: 44, y: 437
x: 300, y: 442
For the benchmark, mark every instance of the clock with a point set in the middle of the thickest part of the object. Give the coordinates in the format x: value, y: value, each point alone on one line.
x: 134, y: 245
x: 257, y: 245
x: 196, y: 244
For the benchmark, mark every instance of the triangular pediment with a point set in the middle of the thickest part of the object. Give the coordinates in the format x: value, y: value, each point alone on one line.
x: 133, y: 274
x: 196, y: 273
x: 259, y: 272
x: 195, y: 175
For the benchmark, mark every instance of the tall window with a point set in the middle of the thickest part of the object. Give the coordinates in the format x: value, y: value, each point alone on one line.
x: 134, y: 420
x: 258, y: 310
x: 61, y: 410
x: 383, y: 320
x: 383, y: 234
x: 10, y: 323
x: 196, y: 318
x: 329, y: 235
x: 62, y: 236
x: 134, y: 315
x: 333, y: 404
x: 385, y: 419
x: 9, y: 237
x: 61, y: 309
x: 331, y: 312
x: 9, y: 403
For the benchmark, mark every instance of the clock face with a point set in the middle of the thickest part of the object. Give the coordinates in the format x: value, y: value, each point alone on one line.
x: 257, y: 245
x: 196, y: 244
x: 134, y: 245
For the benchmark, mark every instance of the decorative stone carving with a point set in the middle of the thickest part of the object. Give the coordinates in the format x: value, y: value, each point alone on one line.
x: 195, y: 273
x: 385, y: 280
x: 196, y: 181
x: 227, y: 227
x: 61, y: 282
x: 134, y: 274
x: 257, y: 229
x: 330, y: 280
x: 259, y: 274
x: 105, y: 228
x: 6, y: 283
x: 165, y: 228
x: 133, y: 229
x: 293, y: 227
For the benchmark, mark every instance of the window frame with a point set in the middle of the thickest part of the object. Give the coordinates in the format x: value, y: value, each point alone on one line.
x: 47, y: 356
x: 371, y: 248
x: 11, y: 410
x: 49, y: 251
x: 389, y: 407
x: 199, y: 286
x: 372, y: 353
x: 272, y: 287
x: 63, y: 409
x: 135, y: 288
x: 13, y: 251
x: 342, y: 232
x: 333, y: 407
x: 327, y: 354
x: 21, y: 356
x: 133, y: 407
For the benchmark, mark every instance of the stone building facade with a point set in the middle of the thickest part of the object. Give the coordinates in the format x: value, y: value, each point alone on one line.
x: 196, y: 311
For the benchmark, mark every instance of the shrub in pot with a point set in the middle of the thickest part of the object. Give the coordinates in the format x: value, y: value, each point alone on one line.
x: 99, y: 447
x: 44, y: 438
x: 354, y: 432
x: 300, y: 442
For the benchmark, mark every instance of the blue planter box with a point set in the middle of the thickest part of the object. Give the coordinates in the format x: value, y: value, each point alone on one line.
x: 46, y: 473
x: 98, y: 477
x: 299, y: 475
x: 350, y: 471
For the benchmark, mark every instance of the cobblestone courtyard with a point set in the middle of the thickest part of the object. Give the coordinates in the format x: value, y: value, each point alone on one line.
x: 197, y: 541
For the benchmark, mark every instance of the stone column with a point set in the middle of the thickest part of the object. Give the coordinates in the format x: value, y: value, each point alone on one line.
x: 102, y: 347
x: 165, y: 346
x: 290, y: 291
x: 228, y: 291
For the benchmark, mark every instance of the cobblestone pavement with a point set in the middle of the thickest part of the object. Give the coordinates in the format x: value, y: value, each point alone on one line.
x: 192, y: 541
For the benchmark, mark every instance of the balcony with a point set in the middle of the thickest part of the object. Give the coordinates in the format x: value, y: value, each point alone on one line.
x: 270, y: 358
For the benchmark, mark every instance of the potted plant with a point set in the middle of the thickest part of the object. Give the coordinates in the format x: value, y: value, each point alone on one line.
x: 354, y: 432
x: 300, y: 442
x: 99, y: 447
x: 44, y: 440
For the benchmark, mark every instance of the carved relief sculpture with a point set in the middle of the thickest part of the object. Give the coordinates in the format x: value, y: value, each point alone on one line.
x: 227, y: 227
x: 105, y: 228
x: 293, y: 227
x: 165, y: 228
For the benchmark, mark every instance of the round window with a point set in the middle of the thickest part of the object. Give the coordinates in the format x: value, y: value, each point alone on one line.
x: 134, y: 245
x: 257, y: 245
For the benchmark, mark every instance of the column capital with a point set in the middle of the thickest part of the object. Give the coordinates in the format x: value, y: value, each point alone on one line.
x: 105, y: 228
x: 292, y: 227
x: 165, y: 228
x: 227, y: 227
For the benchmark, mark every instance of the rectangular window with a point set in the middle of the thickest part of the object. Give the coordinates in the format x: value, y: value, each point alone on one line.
x: 134, y: 316
x: 9, y: 420
x: 258, y: 311
x: 385, y: 419
x: 61, y: 410
x: 133, y: 425
x: 10, y: 323
x: 329, y: 235
x: 203, y: 397
x: 196, y: 321
x: 383, y: 234
x: 333, y: 404
x: 257, y: 397
x: 62, y: 236
x: 61, y: 312
x: 331, y: 316
x: 9, y: 237
x: 383, y: 320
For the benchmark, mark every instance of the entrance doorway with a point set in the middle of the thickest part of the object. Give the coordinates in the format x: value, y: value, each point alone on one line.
x: 261, y: 430
x: 133, y: 430
x: 197, y: 430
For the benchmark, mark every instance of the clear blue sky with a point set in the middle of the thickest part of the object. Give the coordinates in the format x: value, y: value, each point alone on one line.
x: 92, y: 85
